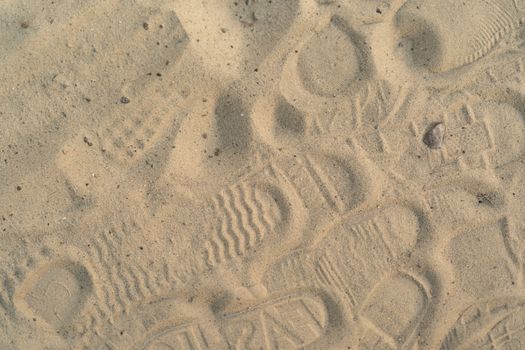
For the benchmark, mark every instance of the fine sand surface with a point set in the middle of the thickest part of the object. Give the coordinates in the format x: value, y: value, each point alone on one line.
x: 262, y: 174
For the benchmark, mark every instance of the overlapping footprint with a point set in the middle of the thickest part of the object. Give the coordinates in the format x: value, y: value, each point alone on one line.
x: 291, y: 321
x: 357, y: 262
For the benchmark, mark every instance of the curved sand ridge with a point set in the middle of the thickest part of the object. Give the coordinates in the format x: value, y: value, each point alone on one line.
x: 306, y: 174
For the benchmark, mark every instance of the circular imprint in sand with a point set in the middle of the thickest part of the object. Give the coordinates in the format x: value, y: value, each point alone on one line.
x: 331, y: 60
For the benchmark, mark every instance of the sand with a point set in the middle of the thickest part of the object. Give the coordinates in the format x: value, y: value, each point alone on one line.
x: 262, y: 174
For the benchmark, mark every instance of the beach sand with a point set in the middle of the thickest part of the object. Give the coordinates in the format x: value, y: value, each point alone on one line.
x: 262, y: 174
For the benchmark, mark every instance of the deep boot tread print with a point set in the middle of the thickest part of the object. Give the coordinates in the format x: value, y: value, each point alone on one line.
x: 289, y: 321
x: 354, y: 256
x: 247, y: 217
x: 280, y: 206
x: 247, y: 213
x: 357, y: 262
x: 490, y: 324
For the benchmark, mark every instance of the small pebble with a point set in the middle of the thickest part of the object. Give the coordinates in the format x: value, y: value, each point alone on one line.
x: 124, y: 100
x: 434, y: 136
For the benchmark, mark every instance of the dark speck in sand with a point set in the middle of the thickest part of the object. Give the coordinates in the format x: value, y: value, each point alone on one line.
x: 434, y: 136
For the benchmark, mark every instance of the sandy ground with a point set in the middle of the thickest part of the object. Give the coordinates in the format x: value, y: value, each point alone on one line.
x: 262, y: 174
